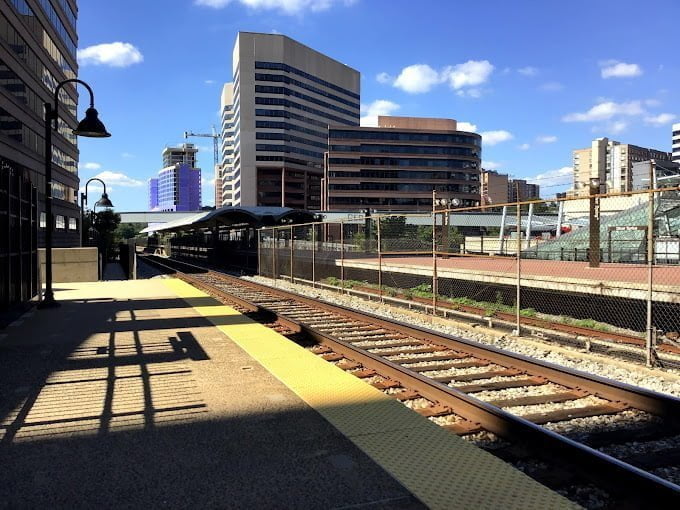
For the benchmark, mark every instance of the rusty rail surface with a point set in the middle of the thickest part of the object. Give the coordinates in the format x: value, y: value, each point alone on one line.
x: 293, y: 311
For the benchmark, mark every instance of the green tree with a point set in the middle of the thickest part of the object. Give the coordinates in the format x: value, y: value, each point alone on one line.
x: 105, y: 223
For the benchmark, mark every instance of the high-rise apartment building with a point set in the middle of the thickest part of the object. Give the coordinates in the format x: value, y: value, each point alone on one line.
x: 494, y: 187
x: 178, y: 185
x: 224, y: 192
x: 676, y: 142
x: 611, y: 162
x: 395, y: 166
x: 284, y: 97
x: 38, y: 42
x: 520, y: 190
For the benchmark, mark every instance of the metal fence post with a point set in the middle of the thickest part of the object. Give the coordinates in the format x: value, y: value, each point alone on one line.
x: 342, y: 257
x: 259, y: 254
x: 313, y: 254
x: 650, y: 355
x: 380, y: 292
x: 274, y: 250
x: 435, y: 277
x: 519, y: 265
x: 292, y: 241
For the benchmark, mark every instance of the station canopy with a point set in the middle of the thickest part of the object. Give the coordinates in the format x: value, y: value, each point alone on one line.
x: 236, y: 217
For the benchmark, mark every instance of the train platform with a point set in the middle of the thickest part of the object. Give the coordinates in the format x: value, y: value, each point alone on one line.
x: 610, y: 280
x: 151, y: 393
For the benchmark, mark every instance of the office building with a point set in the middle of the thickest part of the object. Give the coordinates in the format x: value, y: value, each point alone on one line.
x: 395, y: 166
x: 519, y: 190
x: 224, y: 192
x: 38, y: 42
x: 664, y: 174
x: 284, y: 97
x: 611, y: 162
x: 178, y: 185
x: 676, y: 142
x: 494, y: 187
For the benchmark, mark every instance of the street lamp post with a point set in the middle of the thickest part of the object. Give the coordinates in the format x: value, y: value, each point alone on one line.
x: 594, y: 223
x: 90, y: 126
x: 104, y: 201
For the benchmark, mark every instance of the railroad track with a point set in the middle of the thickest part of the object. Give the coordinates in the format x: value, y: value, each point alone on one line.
x: 471, y: 388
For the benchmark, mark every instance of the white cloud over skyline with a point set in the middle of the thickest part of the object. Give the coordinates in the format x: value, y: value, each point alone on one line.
x: 115, y: 54
x: 616, y: 69
x: 528, y: 71
x: 606, y: 110
x: 467, y: 126
x: 496, y: 137
x: 546, y: 139
x: 285, y: 6
x: 463, y: 78
x: 660, y: 120
x: 370, y: 112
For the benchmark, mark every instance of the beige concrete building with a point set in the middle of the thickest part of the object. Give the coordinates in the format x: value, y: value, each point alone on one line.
x: 494, y: 187
x: 284, y: 97
x: 397, y: 165
x: 224, y: 172
x: 611, y: 162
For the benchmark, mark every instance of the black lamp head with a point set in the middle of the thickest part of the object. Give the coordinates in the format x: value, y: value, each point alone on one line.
x: 91, y: 126
x: 104, y: 201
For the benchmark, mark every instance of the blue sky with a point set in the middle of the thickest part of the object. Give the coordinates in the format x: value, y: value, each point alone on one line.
x: 537, y: 78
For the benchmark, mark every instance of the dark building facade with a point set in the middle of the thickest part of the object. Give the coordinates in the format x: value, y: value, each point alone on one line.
x: 395, y: 166
x: 38, y: 42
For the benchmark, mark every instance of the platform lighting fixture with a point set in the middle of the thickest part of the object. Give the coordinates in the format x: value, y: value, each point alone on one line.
x: 90, y: 127
x: 594, y: 223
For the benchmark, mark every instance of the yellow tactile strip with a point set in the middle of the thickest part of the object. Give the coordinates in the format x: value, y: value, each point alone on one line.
x: 439, y: 468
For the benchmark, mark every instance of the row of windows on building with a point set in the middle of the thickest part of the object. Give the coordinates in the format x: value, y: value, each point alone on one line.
x: 406, y: 137
x: 278, y: 66
x: 61, y: 222
x: 25, y: 10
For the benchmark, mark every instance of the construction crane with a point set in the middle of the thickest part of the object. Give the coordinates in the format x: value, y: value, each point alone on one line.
x: 215, y: 136
x: 218, y: 173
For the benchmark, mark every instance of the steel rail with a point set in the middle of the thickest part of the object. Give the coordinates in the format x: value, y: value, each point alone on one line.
x: 615, y: 474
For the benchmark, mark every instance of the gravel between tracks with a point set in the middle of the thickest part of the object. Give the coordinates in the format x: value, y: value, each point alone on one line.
x: 653, y: 381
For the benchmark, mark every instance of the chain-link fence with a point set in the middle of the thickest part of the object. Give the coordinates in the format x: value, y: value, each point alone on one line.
x: 605, y: 264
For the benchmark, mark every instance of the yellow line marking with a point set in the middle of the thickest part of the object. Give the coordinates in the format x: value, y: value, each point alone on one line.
x: 438, y: 467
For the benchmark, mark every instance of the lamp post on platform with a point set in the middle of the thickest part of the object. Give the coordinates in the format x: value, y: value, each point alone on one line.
x: 90, y: 126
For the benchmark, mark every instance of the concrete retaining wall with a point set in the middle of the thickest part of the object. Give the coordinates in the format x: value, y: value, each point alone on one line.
x: 72, y: 265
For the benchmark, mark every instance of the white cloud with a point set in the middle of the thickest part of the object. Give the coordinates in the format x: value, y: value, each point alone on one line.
x: 652, y: 102
x: 528, y: 71
x: 90, y: 166
x: 463, y: 78
x: 467, y: 126
x: 490, y: 165
x: 618, y: 126
x: 552, y: 86
x: 616, y: 69
x: 524, y: 147
x: 371, y: 111
x: 209, y: 82
x: 553, y: 178
x: 115, y: 54
x: 546, y: 139
x: 660, y: 120
x: 497, y: 136
x: 127, y: 155
x: 417, y: 79
x: 384, y: 78
x: 114, y: 179
x: 605, y: 111
x: 286, y: 6
x: 468, y: 74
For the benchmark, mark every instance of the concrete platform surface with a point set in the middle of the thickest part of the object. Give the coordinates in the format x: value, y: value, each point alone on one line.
x: 125, y: 396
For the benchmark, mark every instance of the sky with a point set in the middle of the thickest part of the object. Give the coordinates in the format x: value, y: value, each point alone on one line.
x: 536, y: 78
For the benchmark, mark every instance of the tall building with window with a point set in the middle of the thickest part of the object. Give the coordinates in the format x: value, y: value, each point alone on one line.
x: 224, y: 190
x: 38, y: 42
x: 178, y: 185
x: 494, y: 187
x: 284, y: 97
x: 611, y: 162
x: 676, y: 142
x: 395, y: 166
x: 519, y: 190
